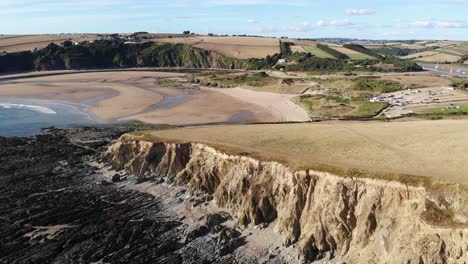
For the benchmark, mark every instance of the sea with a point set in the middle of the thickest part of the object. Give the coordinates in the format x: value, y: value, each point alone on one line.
x: 27, y: 117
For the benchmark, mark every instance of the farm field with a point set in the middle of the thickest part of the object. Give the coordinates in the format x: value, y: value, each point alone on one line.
x: 296, y: 48
x: 441, y: 57
x: 317, y: 52
x: 354, y: 55
x: 14, y: 43
x: 419, y: 80
x: 236, y: 47
x: 414, y: 148
x: 459, y: 50
x: 420, y: 54
x: 433, y: 56
x: 450, y: 52
x: 463, y: 46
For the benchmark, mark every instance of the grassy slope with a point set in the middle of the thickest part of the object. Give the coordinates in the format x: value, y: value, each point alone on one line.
x: 317, y: 52
x: 463, y: 46
x: 256, y: 82
x: 330, y: 106
x: 450, y: 52
x: 360, y: 56
x: 322, y: 54
x: 443, y: 111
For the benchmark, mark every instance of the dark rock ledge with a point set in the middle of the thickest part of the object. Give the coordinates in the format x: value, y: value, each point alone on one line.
x: 55, y: 208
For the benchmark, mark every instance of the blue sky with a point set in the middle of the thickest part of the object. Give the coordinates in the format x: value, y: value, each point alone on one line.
x: 373, y: 19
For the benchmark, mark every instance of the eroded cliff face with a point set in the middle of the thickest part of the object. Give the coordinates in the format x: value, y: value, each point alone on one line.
x: 356, y: 220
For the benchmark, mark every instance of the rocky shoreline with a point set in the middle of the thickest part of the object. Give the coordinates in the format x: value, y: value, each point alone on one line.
x: 60, y: 204
x: 89, y: 195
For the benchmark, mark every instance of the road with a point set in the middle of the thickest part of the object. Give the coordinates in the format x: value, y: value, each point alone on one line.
x: 453, y: 70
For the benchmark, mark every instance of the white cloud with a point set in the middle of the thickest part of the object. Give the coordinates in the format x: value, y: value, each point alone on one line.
x: 301, y: 27
x: 334, y: 23
x: 251, y: 21
x: 257, y: 2
x: 422, y: 24
x: 359, y: 12
x: 435, y: 23
x: 452, y: 24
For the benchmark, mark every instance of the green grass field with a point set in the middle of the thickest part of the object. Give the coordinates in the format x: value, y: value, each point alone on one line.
x: 317, y: 52
x: 360, y: 56
x: 332, y: 106
x: 463, y: 46
x: 227, y: 79
x: 450, y: 52
x: 463, y: 110
x: 253, y: 81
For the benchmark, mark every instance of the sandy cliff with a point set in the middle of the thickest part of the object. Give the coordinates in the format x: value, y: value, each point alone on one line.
x: 356, y: 220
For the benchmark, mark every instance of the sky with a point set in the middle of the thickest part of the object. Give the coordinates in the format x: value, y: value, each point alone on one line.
x: 365, y: 19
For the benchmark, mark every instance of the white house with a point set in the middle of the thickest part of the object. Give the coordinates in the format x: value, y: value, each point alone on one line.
x: 281, y: 61
x: 3, y: 53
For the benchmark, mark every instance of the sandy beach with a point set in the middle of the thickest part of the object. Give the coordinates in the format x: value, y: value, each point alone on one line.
x: 138, y: 95
x: 279, y: 104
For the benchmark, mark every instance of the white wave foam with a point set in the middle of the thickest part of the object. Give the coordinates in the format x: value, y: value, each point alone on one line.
x: 35, y: 108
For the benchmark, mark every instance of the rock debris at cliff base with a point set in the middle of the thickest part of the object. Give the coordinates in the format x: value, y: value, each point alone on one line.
x: 330, y: 218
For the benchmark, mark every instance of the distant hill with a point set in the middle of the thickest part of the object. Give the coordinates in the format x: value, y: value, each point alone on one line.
x: 193, y: 51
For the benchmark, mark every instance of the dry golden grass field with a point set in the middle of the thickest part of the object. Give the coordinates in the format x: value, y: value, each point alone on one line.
x: 433, y: 56
x: 297, y: 49
x: 420, y: 54
x: 426, y: 148
x: 441, y: 57
x: 420, y: 80
x: 236, y: 47
x: 14, y: 43
x: 355, y: 55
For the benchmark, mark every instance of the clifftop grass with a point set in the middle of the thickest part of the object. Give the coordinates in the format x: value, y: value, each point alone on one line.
x: 388, y: 151
x: 432, y: 185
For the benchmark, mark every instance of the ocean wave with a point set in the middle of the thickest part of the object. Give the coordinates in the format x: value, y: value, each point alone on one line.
x: 35, y: 108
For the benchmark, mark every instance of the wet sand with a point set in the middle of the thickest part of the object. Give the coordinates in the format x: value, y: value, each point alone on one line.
x: 136, y: 95
x: 208, y: 106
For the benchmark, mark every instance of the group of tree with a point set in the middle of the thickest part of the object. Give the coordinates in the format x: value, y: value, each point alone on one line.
x: 463, y: 59
x: 285, y: 48
x: 460, y: 83
x: 363, y: 50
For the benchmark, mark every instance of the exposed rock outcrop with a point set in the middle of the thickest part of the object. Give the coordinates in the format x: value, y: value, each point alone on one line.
x: 356, y: 220
x: 57, y: 205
